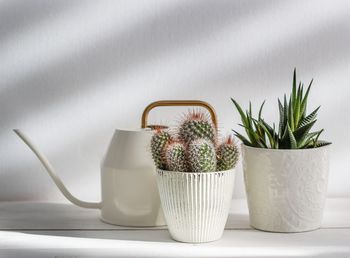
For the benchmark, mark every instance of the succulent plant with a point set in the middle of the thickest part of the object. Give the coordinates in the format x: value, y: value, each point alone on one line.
x: 158, y: 143
x: 227, y: 155
x: 197, y: 125
x: 175, y: 154
x: 201, y: 156
x: 294, y: 123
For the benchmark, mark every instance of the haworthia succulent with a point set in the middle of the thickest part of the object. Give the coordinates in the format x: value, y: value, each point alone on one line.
x: 294, y: 123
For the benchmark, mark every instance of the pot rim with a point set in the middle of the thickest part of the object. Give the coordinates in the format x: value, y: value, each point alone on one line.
x: 198, y: 173
x: 286, y: 150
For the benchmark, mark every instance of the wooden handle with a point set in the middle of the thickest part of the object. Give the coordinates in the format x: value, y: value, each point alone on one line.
x: 176, y: 103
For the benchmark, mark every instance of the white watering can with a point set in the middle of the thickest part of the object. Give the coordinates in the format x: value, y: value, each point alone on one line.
x: 128, y: 184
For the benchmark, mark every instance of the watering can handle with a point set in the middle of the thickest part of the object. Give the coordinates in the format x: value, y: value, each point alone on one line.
x: 169, y: 103
x: 53, y: 175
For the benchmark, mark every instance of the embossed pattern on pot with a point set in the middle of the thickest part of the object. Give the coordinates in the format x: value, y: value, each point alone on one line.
x: 286, y: 189
x: 196, y: 205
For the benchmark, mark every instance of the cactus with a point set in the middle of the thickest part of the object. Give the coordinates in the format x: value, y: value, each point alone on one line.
x: 194, y: 147
x: 175, y: 154
x: 196, y: 125
x: 158, y: 143
x: 201, y: 156
x: 227, y: 155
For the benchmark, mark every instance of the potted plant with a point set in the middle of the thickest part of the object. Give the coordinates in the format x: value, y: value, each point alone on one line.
x: 285, y: 168
x: 195, y: 176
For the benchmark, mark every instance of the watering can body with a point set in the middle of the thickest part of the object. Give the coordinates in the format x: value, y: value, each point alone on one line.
x: 129, y: 189
x: 128, y: 184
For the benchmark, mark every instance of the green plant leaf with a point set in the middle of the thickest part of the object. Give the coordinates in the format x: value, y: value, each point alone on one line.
x: 321, y: 144
x: 285, y: 109
x: 307, y: 140
x: 297, y: 106
x: 250, y: 130
x: 254, y: 137
x: 250, y: 109
x: 242, y: 138
x: 240, y: 111
x: 284, y: 140
x: 310, y: 117
x: 290, y: 115
x: 276, y: 146
x: 317, y: 136
x: 303, y: 130
x: 249, y: 119
x: 269, y: 128
x: 259, y: 130
x: 281, y: 122
x: 304, y: 101
x: 260, y: 110
x: 293, y: 142
x: 270, y: 134
x: 294, y: 87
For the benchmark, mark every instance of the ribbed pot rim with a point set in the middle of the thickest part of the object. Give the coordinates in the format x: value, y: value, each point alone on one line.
x: 285, y: 150
x: 198, y: 173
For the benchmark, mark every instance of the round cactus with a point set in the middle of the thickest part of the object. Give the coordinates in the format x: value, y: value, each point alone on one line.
x: 158, y: 143
x: 175, y: 154
x: 227, y: 155
x: 201, y: 156
x: 196, y: 125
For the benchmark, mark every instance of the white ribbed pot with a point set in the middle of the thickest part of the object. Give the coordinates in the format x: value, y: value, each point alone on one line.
x: 195, y: 205
x: 286, y: 189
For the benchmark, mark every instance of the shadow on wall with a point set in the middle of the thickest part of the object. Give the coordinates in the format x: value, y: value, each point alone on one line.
x: 18, y: 16
x: 319, y: 50
x: 148, y: 39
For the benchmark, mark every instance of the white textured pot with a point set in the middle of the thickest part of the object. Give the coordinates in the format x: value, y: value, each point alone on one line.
x: 286, y: 189
x: 195, y: 205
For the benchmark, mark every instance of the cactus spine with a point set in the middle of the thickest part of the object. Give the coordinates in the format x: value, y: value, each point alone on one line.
x: 158, y: 143
x: 227, y: 155
x: 175, y: 154
x: 201, y: 156
x: 196, y: 125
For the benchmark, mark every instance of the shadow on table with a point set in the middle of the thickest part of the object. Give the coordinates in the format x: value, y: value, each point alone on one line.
x: 237, y: 221
x: 158, y: 235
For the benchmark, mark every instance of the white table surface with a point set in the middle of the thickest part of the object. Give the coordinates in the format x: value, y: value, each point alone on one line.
x: 62, y: 230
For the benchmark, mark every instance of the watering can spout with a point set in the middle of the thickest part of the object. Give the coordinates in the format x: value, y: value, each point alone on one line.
x: 53, y: 175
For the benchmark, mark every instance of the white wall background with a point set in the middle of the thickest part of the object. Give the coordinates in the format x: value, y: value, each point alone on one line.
x: 72, y: 71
